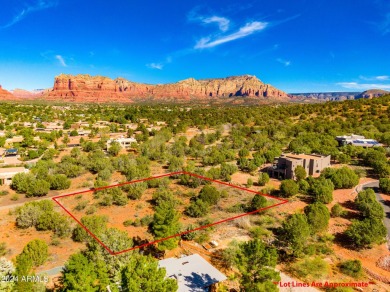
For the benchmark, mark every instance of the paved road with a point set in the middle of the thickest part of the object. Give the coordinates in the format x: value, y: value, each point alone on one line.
x: 52, y: 272
x: 375, y: 186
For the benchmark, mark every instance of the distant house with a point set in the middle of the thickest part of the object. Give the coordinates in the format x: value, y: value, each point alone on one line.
x: 6, y: 174
x: 357, y: 140
x: 11, y: 152
x: 192, y: 273
x: 124, y: 142
x: 14, y: 139
x: 285, y: 165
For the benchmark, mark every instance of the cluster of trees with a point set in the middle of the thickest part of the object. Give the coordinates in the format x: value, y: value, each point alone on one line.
x: 297, y: 228
x: 369, y: 230
x: 256, y: 263
x: 200, y: 204
x: 342, y: 178
x: 44, y: 176
x: 41, y: 215
x: 34, y: 254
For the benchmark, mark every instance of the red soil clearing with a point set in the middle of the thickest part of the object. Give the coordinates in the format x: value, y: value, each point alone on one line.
x: 57, y: 200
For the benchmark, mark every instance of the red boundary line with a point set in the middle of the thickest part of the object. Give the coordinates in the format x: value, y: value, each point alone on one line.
x: 55, y: 199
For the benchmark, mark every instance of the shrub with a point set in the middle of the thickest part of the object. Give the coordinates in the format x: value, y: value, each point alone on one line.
x: 322, y: 190
x: 128, y: 223
x: 367, y: 204
x: 300, y: 173
x: 342, y: 178
x: 197, y: 209
x: 91, y: 210
x: 189, y: 235
x: 310, y: 269
x: 384, y: 184
x: 303, y: 186
x: 81, y: 205
x: 59, y: 182
x: 294, y: 234
x: 337, y: 210
x: 257, y: 203
x: 37, y: 251
x: 351, y: 268
x: 317, y: 216
x: 209, y: 195
x: 3, y: 249
x: 38, y: 188
x: 263, y: 178
x: 366, y: 232
x: 135, y: 191
x: 288, y: 188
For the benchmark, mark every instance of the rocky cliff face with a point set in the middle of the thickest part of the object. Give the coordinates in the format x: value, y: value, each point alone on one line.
x: 5, y: 95
x: 372, y: 93
x: 102, y: 89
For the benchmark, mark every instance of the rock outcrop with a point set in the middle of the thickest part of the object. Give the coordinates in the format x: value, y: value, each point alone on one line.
x: 372, y: 93
x: 86, y: 88
x: 5, y: 94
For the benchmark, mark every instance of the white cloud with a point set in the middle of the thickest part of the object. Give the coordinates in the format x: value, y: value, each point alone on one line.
x: 37, y: 5
x: 284, y: 62
x: 223, y: 23
x: 248, y: 29
x: 363, y: 86
x: 377, y: 78
x: 157, y: 66
x: 61, y: 60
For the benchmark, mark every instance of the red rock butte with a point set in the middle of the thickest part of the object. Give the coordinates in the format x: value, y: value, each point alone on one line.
x: 86, y: 88
x: 5, y: 95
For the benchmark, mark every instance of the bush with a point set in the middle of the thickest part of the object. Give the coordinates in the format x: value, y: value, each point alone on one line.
x: 300, y: 173
x: 342, y: 178
x: 128, y: 223
x: 322, y: 190
x: 366, y: 232
x: 59, y: 182
x: 337, y: 211
x: 257, y: 203
x: 3, y: 249
x: 81, y: 205
x: 37, y: 251
x: 303, y: 186
x: 197, y: 209
x: 351, y: 268
x: 310, y: 269
x: 29, y: 214
x: 189, y: 235
x: 367, y: 204
x: 288, y: 188
x: 294, y: 233
x: 97, y: 224
x: 135, y: 190
x: 263, y: 179
x: 21, y: 182
x: 384, y: 184
x: 38, y: 188
x: 317, y: 216
x: 209, y: 195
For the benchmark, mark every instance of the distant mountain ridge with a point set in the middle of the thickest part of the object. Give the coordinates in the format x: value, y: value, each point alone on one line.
x: 338, y: 96
x: 103, y: 89
x: 372, y: 93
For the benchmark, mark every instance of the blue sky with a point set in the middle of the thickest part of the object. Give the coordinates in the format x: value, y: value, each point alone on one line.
x: 297, y: 46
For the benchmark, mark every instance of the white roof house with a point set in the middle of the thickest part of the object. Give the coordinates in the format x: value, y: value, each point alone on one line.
x: 193, y: 273
x: 357, y: 140
x: 6, y: 174
x: 124, y: 142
